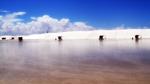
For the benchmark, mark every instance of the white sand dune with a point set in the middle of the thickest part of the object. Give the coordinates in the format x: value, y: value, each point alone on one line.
x: 107, y: 34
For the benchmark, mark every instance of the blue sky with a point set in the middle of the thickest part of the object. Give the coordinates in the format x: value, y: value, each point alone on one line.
x: 99, y: 13
x: 96, y: 13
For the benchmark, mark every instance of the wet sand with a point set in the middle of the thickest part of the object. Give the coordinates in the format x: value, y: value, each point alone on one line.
x: 75, y: 62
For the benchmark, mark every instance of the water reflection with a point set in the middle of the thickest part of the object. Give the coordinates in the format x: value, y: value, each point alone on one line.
x: 69, y: 61
x: 136, y: 41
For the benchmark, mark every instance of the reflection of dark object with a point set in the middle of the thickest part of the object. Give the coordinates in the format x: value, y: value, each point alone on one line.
x: 136, y: 40
x: 59, y: 38
x: 12, y: 38
x: 3, y: 38
x: 101, y: 37
x: 137, y: 37
x: 20, y: 39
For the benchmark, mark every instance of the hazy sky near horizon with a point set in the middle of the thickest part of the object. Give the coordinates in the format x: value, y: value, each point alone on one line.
x: 61, y: 15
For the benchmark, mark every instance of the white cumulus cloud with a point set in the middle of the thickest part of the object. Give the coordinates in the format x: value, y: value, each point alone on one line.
x: 12, y: 24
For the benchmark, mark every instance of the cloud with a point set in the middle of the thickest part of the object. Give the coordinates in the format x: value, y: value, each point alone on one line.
x: 9, y: 21
x: 4, y: 11
x: 12, y: 24
x: 13, y: 17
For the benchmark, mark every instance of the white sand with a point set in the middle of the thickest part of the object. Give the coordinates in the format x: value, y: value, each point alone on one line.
x: 108, y: 34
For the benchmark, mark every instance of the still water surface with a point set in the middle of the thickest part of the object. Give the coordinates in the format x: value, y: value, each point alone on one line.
x: 75, y: 62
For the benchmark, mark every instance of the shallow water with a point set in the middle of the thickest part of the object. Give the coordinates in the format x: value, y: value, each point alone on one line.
x: 75, y: 62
